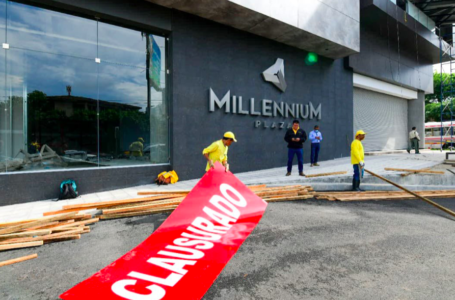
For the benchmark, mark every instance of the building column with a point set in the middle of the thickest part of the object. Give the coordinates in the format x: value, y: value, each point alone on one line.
x: 416, y: 116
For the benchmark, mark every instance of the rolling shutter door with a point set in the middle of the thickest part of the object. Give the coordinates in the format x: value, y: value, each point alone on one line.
x: 383, y: 117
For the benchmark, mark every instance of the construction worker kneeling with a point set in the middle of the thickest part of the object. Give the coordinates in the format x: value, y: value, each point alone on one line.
x: 357, y: 160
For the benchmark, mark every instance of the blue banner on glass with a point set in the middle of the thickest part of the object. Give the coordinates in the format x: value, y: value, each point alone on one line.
x: 155, y: 63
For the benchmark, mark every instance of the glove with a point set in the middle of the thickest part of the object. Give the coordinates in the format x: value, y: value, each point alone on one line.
x: 227, y: 168
x: 211, y: 164
x: 362, y: 164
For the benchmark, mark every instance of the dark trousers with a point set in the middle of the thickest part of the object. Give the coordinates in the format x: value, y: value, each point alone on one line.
x: 414, y: 144
x: 291, y: 153
x: 315, y: 152
x: 357, y: 172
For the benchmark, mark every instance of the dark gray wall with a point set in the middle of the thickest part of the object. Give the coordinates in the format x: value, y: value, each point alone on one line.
x: 26, y: 187
x: 209, y: 55
x: 393, y: 52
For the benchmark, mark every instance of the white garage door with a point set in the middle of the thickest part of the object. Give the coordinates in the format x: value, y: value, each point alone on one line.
x: 383, y: 117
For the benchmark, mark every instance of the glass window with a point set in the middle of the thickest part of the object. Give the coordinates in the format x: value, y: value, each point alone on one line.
x: 57, y: 98
x: 122, y: 46
x: 48, y: 31
x: 62, y: 109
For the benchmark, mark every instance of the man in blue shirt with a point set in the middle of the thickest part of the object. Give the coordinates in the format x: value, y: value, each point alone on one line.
x: 315, y: 138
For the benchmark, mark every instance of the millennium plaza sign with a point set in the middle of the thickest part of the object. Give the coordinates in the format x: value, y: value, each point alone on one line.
x: 264, y: 108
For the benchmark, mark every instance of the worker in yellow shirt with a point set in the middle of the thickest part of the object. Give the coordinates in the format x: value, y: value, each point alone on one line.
x: 218, y: 150
x: 357, y: 160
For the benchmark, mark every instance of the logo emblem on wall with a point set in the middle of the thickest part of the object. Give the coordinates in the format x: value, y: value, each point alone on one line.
x: 275, y: 75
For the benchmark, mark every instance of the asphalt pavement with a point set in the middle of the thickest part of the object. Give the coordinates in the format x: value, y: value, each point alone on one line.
x: 300, y: 250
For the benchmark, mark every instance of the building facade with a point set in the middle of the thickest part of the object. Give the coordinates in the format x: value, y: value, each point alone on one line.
x: 110, y: 93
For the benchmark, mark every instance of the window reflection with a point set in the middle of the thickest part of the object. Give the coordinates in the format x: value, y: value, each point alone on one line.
x: 61, y: 109
x: 57, y: 98
x: 48, y: 31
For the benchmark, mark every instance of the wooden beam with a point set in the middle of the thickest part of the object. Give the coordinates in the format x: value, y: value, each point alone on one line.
x: 20, y: 245
x: 17, y: 260
x: 163, y: 192
x: 326, y: 174
x: 412, y: 193
x: 138, y: 213
x: 37, y: 222
x: 25, y: 234
x: 118, y: 202
x: 414, y: 171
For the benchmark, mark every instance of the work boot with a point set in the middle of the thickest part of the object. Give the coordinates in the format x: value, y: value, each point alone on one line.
x: 409, y: 151
x: 316, y: 165
x: 288, y: 174
x: 358, y: 189
x: 302, y: 174
x: 311, y: 165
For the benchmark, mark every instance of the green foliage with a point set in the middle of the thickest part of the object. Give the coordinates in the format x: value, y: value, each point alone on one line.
x: 435, y: 97
x: 432, y: 101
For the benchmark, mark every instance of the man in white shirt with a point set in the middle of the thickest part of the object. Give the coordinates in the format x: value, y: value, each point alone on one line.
x: 315, y: 138
x: 413, y: 141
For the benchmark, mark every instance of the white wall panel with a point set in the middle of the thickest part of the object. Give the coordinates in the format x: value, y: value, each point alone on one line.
x: 384, y: 118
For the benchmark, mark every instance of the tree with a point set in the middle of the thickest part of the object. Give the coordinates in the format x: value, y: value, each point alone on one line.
x: 433, y: 101
x: 435, y: 97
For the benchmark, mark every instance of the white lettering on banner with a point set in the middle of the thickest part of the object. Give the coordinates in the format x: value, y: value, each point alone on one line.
x: 198, y: 234
x: 119, y: 289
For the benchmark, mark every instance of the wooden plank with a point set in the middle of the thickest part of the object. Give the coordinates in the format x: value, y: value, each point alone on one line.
x: 63, y: 238
x: 326, y: 174
x: 42, y: 238
x: 450, y: 212
x: 174, y: 200
x: 414, y: 171
x: 139, y: 213
x: 270, y: 194
x: 118, y: 202
x: 279, y: 199
x: 25, y: 234
x: 17, y: 260
x: 20, y: 245
x: 163, y: 192
x: 37, y: 222
x: 85, y: 222
x: 16, y: 222
x: 62, y: 211
x: 138, y: 208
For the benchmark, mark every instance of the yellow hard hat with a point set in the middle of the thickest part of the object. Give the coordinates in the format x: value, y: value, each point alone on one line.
x: 359, y: 132
x: 230, y: 135
x: 140, y: 139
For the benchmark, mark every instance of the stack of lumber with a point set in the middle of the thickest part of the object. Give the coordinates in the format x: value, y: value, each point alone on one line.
x: 49, y: 229
x: 73, y: 220
x: 381, y: 195
x: 167, y: 201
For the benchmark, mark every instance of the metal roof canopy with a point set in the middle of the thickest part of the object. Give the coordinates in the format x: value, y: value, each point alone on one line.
x: 442, y: 12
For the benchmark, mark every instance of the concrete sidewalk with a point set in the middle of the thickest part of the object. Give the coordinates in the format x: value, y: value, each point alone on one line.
x: 275, y: 176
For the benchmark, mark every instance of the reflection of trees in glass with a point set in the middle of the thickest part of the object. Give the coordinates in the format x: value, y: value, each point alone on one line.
x: 69, y: 122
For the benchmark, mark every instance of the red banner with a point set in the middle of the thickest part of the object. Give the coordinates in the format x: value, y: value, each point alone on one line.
x: 185, y: 255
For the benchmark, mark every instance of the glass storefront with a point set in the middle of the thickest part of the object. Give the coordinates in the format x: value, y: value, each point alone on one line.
x: 79, y: 93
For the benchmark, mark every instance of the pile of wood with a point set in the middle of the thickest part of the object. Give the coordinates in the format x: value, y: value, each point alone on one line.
x: 167, y: 201
x: 381, y: 195
x: 36, y: 232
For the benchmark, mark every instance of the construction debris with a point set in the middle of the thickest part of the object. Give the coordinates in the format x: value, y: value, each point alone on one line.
x: 72, y: 221
x: 49, y: 229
